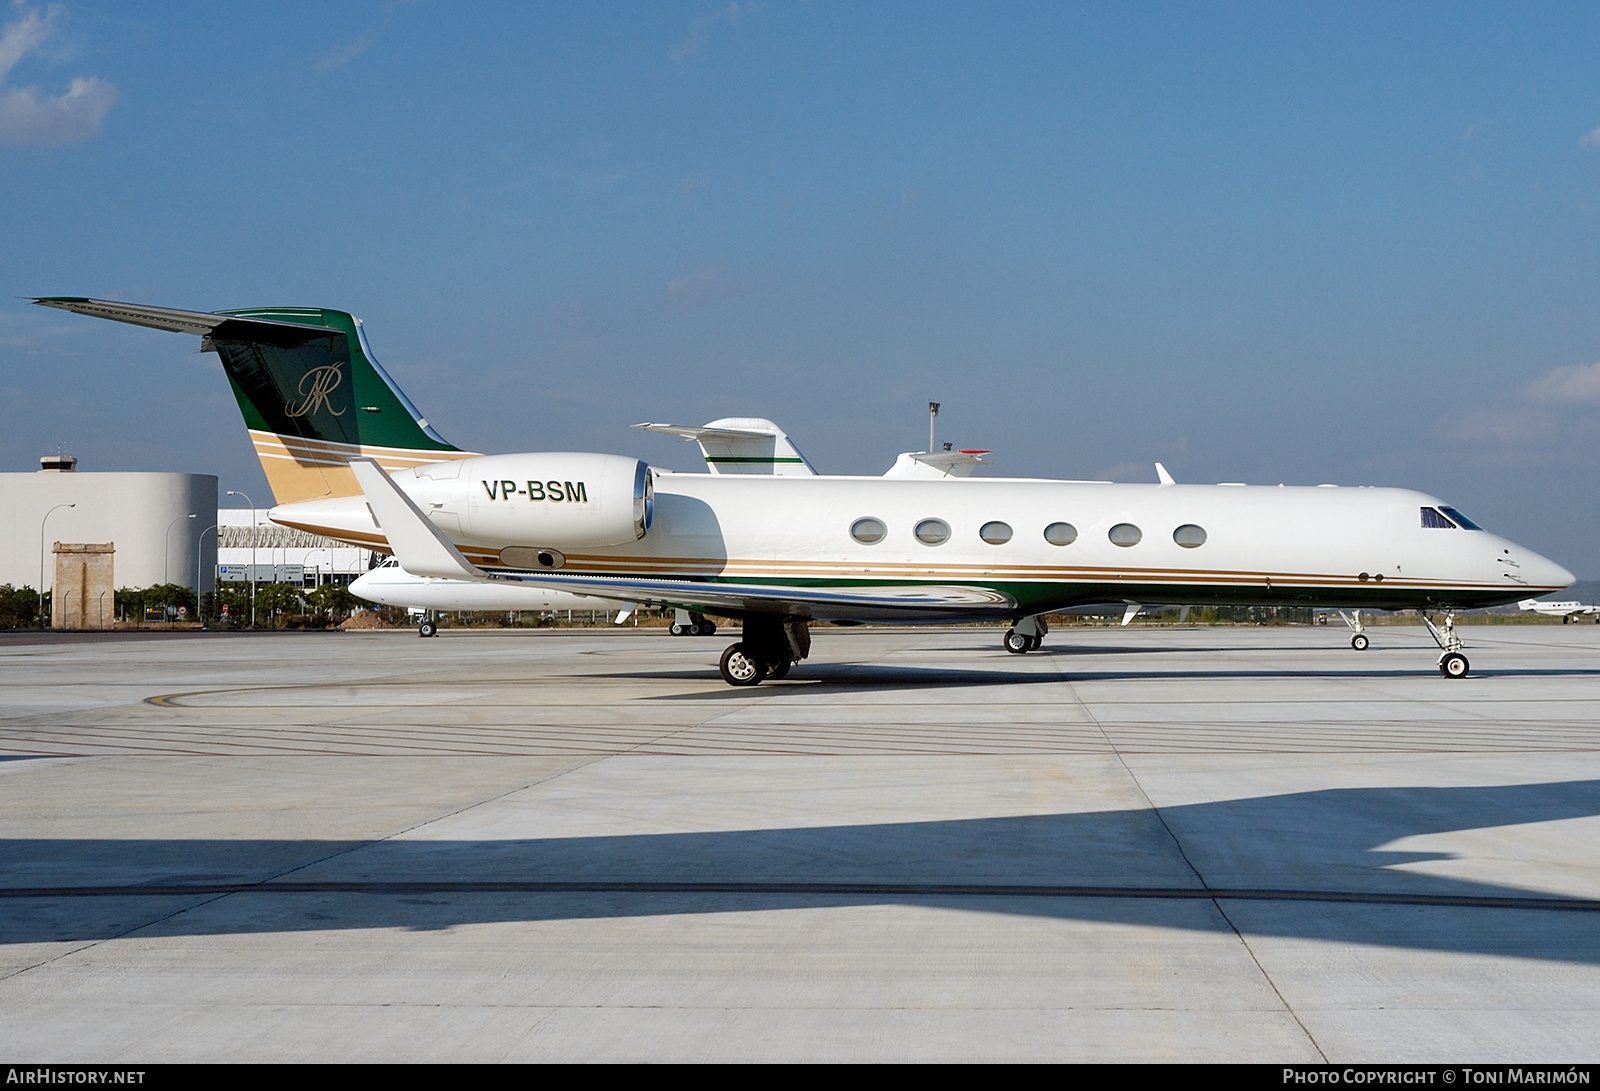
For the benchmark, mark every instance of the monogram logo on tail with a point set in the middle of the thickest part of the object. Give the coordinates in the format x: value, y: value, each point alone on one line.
x: 321, y: 381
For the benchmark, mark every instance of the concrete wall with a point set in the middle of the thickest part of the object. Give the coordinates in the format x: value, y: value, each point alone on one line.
x: 85, y: 585
x: 134, y: 511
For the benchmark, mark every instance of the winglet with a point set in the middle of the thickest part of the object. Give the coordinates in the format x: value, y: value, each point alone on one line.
x: 419, y: 546
x: 1131, y: 612
x: 1162, y: 475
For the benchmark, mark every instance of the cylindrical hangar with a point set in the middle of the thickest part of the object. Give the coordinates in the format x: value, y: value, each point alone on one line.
x: 163, y: 525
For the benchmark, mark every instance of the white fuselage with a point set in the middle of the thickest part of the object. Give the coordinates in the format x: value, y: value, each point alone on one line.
x: 1266, y: 545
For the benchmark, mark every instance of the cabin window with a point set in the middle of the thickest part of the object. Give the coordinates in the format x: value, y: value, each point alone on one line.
x: 996, y: 533
x: 932, y: 531
x: 1190, y: 536
x: 1460, y: 520
x: 868, y: 531
x: 1432, y: 519
x: 1061, y: 534
x: 1126, y: 534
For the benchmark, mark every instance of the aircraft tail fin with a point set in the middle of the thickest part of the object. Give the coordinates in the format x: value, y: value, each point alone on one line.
x: 312, y: 394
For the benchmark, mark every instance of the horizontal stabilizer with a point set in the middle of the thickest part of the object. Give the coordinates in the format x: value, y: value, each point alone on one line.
x: 201, y: 323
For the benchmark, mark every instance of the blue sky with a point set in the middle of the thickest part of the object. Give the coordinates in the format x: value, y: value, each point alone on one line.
x: 1260, y: 243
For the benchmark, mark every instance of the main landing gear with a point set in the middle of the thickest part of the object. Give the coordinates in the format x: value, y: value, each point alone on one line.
x: 1026, y: 635
x: 691, y: 623
x: 770, y: 646
x: 428, y: 626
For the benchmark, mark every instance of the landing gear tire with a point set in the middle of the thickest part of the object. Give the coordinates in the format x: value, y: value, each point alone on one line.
x: 779, y: 670
x: 704, y: 628
x: 1018, y: 644
x: 1037, y: 643
x: 677, y: 630
x: 740, y: 668
x: 1359, y: 642
x: 428, y: 628
x: 1454, y: 665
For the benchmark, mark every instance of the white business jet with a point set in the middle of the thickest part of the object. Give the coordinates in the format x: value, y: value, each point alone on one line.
x: 1570, y: 610
x: 348, y: 456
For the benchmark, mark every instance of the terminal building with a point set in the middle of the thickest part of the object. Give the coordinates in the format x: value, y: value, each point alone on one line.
x: 248, y: 543
x: 160, y: 527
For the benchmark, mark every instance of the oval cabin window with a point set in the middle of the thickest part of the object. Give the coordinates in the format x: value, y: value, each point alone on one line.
x: 868, y: 531
x: 1061, y: 534
x: 1126, y: 534
x: 1189, y: 536
x: 996, y: 533
x: 932, y: 531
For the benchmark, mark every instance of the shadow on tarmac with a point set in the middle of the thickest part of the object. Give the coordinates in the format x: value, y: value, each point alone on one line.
x: 862, y: 678
x: 1307, y: 865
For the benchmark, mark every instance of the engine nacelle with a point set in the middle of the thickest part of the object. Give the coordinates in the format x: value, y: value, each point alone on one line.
x: 537, y: 503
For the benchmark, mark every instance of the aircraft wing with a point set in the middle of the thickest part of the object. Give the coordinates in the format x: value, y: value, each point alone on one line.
x: 423, y: 550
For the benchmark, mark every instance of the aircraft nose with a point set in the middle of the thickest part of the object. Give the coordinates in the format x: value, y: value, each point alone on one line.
x: 361, y: 584
x: 1542, y: 572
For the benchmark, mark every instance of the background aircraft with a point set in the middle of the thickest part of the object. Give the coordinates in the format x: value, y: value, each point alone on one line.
x: 1566, y: 611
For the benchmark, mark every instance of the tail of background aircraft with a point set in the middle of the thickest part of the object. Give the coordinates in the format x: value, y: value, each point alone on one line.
x: 312, y: 395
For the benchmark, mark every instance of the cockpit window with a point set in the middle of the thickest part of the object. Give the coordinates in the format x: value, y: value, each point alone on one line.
x: 1431, y: 518
x: 1460, y: 520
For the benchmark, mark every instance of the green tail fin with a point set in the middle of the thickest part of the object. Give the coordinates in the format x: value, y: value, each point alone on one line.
x: 293, y: 380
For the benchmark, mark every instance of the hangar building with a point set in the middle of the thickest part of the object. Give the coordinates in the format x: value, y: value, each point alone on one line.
x: 147, y: 516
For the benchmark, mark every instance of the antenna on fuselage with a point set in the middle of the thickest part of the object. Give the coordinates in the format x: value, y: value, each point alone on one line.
x: 933, y: 411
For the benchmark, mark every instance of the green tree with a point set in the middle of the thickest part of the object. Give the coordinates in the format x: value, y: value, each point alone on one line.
x: 333, y: 601
x: 19, y: 607
x: 276, y: 603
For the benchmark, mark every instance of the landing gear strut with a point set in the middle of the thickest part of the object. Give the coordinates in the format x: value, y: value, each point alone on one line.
x: 1026, y: 635
x: 770, y: 646
x: 1452, y: 664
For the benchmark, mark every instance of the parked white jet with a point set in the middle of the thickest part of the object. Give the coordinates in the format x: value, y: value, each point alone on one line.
x: 347, y: 456
x: 1567, y: 611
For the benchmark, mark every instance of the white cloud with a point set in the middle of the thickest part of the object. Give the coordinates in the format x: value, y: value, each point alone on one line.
x: 27, y: 115
x: 345, y: 54
x: 1590, y: 139
x: 694, y: 44
x: 1566, y: 385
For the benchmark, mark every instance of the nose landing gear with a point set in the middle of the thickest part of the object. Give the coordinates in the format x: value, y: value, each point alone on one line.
x: 1452, y: 664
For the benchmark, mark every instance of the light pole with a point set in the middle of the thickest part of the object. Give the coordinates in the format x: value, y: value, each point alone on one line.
x: 42, y: 522
x: 236, y: 492
x: 197, y: 555
x: 166, y: 559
